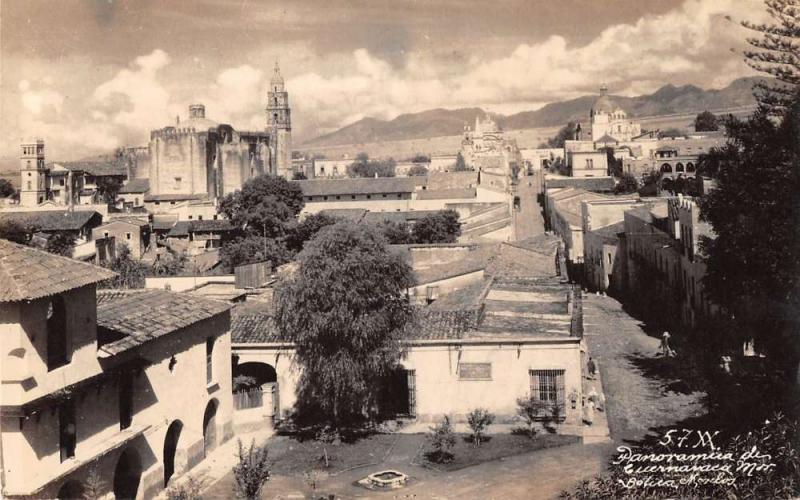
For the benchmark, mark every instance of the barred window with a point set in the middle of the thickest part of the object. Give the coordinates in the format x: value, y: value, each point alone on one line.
x: 548, y: 386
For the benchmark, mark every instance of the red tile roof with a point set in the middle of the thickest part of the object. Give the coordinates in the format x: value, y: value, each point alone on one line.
x: 27, y: 273
x: 138, y: 316
x: 328, y: 187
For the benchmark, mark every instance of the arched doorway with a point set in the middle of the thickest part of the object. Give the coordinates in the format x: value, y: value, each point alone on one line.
x: 210, y: 427
x: 170, y: 448
x: 70, y: 490
x: 262, y: 373
x: 127, y: 475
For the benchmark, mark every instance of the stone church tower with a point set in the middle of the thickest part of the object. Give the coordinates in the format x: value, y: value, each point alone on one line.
x: 279, y: 126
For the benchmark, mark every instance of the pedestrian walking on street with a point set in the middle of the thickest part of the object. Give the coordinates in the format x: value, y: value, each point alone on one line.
x: 592, y: 367
x: 588, y: 412
x: 665, y: 349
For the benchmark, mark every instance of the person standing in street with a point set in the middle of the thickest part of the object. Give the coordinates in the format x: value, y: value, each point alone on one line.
x: 592, y: 368
x: 665, y: 349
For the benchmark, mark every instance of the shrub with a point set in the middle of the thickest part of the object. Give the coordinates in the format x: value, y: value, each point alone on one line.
x: 190, y: 489
x: 531, y: 410
x: 442, y: 439
x: 252, y: 471
x: 479, y: 419
x: 328, y: 436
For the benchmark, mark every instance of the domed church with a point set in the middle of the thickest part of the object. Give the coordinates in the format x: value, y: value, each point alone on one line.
x: 610, y: 122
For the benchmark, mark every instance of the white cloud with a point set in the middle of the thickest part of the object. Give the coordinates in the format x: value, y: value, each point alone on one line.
x: 37, y: 101
x: 136, y: 94
x: 690, y: 44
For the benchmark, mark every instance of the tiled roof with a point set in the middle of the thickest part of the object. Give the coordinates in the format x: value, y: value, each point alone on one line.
x: 587, y: 183
x: 96, y: 168
x: 398, y: 216
x: 136, y: 186
x: 163, y: 225
x: 253, y: 325
x: 328, y: 187
x: 351, y: 214
x: 257, y: 325
x: 27, y: 273
x: 53, y: 220
x: 609, y: 233
x: 135, y: 221
x: 510, y: 261
x: 446, y: 194
x: 184, y: 227
x: 452, y: 180
x: 431, y: 324
x: 606, y: 138
x: 173, y: 197
x: 138, y: 316
x: 544, y: 243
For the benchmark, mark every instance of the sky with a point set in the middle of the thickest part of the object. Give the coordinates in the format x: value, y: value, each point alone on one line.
x: 92, y: 75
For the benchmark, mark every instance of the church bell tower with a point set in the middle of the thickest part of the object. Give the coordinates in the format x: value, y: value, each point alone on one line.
x: 33, y: 174
x: 279, y: 126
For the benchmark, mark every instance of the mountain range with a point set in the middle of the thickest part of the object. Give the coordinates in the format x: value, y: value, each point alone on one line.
x: 667, y: 100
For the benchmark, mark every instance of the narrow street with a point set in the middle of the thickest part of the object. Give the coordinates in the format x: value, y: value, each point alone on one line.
x: 637, y: 401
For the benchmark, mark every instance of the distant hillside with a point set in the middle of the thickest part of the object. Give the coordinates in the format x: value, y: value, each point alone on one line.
x: 669, y: 99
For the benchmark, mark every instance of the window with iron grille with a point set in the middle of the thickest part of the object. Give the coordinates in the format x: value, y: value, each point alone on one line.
x: 548, y: 386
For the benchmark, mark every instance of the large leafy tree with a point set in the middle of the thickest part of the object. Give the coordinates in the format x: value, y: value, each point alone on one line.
x: 266, y: 206
x: 61, y: 243
x: 627, y: 184
x: 396, y: 233
x: 249, y: 249
x: 264, y: 212
x: 130, y: 272
x: 565, y: 133
x: 306, y: 230
x: 6, y: 188
x: 16, y: 232
x: 108, y: 188
x: 344, y: 308
x: 439, y: 227
x: 754, y: 261
x: 706, y: 122
x: 417, y: 170
x: 461, y: 165
x: 776, y: 52
x: 364, y: 167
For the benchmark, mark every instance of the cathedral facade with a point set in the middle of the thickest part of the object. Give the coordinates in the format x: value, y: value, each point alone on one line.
x: 200, y: 158
x: 610, y: 122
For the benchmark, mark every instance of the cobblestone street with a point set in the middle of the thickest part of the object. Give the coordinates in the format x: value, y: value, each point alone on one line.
x: 636, y: 402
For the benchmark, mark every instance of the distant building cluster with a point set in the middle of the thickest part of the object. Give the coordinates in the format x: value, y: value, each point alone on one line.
x: 192, y: 160
x: 486, y: 150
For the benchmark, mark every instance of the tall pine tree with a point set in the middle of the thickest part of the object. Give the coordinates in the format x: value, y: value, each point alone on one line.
x: 776, y: 52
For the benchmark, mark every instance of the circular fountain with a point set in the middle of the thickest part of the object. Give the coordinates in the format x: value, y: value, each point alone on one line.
x: 384, y: 480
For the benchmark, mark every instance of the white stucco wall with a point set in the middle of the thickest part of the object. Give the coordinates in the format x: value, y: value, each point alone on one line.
x: 161, y: 395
